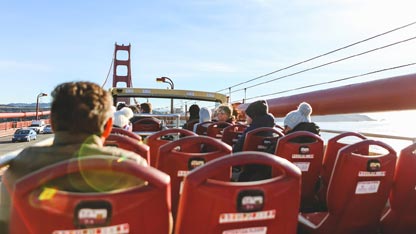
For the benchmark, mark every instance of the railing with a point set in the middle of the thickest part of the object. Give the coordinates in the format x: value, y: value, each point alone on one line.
x: 375, y: 135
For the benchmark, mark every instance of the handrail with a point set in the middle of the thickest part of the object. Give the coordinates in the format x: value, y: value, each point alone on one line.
x: 385, y: 136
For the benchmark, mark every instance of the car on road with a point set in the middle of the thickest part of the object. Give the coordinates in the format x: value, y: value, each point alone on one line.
x: 38, y: 126
x: 25, y: 134
x: 48, y: 129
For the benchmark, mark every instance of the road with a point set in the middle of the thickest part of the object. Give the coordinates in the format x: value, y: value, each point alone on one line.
x: 7, y: 146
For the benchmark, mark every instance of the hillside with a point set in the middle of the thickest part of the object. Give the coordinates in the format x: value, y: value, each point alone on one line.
x: 23, y: 107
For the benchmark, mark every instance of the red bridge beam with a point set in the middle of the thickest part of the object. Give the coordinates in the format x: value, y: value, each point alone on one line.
x: 23, y: 114
x: 390, y: 94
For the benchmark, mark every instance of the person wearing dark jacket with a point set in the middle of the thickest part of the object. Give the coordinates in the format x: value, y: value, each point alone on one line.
x: 193, y: 117
x: 257, y: 116
x: 300, y: 120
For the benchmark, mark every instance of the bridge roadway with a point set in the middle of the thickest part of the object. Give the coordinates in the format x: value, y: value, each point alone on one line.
x: 7, y: 146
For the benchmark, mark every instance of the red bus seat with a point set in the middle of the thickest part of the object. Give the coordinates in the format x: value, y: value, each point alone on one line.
x: 209, y: 206
x: 306, y: 156
x: 231, y: 134
x: 140, y: 209
x: 357, y: 192
x: 148, y: 124
x: 400, y: 217
x: 179, y: 157
x: 128, y: 143
x: 216, y: 129
x: 201, y: 128
x: 279, y: 127
x: 260, y: 139
x: 160, y: 138
x: 124, y: 132
x: 332, y: 147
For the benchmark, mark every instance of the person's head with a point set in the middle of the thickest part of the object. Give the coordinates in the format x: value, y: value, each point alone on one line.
x: 122, y: 117
x: 146, y: 108
x: 121, y: 105
x: 295, y: 117
x: 134, y: 108
x: 223, y: 112
x: 256, y: 109
x: 204, y: 115
x: 81, y: 107
x: 194, y: 111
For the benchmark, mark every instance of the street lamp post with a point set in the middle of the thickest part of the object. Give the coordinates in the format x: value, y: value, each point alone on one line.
x: 165, y: 79
x: 37, y: 103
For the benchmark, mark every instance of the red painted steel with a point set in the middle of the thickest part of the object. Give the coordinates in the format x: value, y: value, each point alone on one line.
x: 390, y: 94
x: 23, y: 114
x: 117, y: 78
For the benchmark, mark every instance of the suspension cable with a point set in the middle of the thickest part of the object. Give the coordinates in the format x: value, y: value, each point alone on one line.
x: 109, y: 70
x: 325, y: 64
x: 334, y: 81
x: 319, y: 56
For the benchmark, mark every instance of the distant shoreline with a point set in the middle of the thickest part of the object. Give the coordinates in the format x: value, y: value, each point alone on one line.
x: 337, y: 118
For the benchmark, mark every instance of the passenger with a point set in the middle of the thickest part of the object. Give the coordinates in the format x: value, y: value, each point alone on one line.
x: 223, y: 113
x: 122, y: 119
x: 121, y: 105
x: 193, y: 117
x: 146, y: 108
x: 257, y: 115
x: 300, y: 120
x: 204, y: 116
x: 81, y: 116
x: 134, y: 108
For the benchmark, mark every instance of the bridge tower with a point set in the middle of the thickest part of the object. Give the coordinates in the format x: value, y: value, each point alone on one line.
x: 122, y: 70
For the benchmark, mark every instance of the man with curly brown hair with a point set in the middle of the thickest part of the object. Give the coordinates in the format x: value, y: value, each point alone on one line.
x: 81, y: 117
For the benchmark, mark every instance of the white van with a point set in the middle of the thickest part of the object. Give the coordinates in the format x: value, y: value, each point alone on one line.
x: 38, y: 126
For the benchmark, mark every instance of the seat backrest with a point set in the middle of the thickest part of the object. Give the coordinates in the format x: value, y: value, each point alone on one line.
x: 124, y: 132
x: 266, y: 206
x: 260, y: 139
x: 201, y: 128
x: 139, y: 209
x: 279, y: 127
x: 401, y: 215
x: 216, y: 129
x: 160, y: 138
x: 306, y: 156
x: 128, y: 143
x: 333, y: 146
x: 179, y: 157
x: 359, y: 188
x: 331, y: 151
x: 231, y: 134
x: 148, y: 124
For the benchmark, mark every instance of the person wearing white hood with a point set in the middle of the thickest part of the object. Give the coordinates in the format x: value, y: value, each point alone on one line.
x: 300, y: 120
x: 204, y: 116
x: 122, y: 117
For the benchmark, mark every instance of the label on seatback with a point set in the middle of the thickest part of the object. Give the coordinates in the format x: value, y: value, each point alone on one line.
x: 366, y: 187
x: 252, y: 230
x: 244, y: 217
x: 116, y: 229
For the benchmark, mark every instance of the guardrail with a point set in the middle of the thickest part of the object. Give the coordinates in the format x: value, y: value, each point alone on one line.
x: 385, y: 136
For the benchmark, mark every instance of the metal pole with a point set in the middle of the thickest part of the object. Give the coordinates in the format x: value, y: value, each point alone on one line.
x: 37, y: 104
x: 37, y: 108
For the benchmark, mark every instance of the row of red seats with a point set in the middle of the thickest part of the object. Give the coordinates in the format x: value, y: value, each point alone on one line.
x: 358, y: 190
x: 307, y: 156
x: 190, y: 148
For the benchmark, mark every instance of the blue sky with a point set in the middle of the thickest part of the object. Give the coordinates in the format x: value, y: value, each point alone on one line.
x: 200, y: 44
